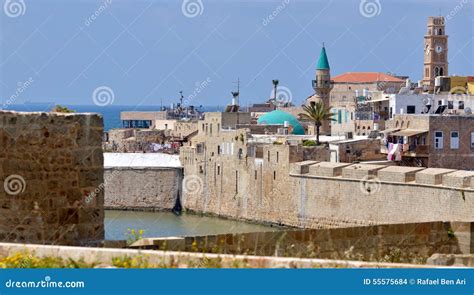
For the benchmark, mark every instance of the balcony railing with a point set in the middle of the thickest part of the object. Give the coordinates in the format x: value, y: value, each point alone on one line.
x: 410, y: 150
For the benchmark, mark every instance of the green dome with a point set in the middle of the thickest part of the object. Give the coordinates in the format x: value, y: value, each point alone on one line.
x: 279, y: 117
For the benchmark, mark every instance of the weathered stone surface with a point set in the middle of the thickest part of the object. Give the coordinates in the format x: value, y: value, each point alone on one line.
x: 142, y: 188
x: 459, y: 178
x: 302, y: 167
x: 432, y: 176
x: 328, y: 169
x: 398, y: 173
x: 361, y: 171
x: 50, y: 163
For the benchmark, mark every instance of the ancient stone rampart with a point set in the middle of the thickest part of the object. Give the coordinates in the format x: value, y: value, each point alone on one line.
x: 51, y: 171
x: 313, y: 194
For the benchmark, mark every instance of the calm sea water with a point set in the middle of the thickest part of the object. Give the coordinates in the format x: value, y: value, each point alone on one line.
x: 111, y: 113
x: 167, y: 224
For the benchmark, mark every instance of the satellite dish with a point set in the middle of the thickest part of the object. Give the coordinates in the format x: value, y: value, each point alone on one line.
x: 468, y: 111
x: 426, y: 109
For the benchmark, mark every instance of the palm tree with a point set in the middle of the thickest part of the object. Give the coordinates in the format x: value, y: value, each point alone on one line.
x: 275, y: 87
x: 317, y: 113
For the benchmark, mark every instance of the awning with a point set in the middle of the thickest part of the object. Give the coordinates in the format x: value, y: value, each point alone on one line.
x: 390, y: 130
x: 379, y: 99
x: 409, y: 132
x: 374, y: 100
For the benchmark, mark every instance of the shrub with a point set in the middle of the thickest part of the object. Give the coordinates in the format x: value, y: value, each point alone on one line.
x: 309, y: 143
x: 61, y: 109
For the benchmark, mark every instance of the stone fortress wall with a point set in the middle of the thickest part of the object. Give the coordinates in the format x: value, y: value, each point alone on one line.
x: 229, y: 175
x: 334, y: 194
x: 51, y: 166
x: 146, y: 188
x: 409, y: 242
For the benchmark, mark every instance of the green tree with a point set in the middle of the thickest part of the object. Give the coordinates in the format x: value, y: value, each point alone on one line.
x: 317, y: 113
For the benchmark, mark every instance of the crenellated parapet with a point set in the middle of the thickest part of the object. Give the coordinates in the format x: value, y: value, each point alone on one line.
x: 437, y: 177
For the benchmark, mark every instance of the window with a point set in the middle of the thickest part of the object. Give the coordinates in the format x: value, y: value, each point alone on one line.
x: 410, y: 109
x: 256, y: 174
x: 218, y: 170
x: 236, y: 181
x: 277, y: 156
x: 438, y: 140
x: 268, y: 156
x: 218, y: 149
x: 472, y: 139
x: 454, y: 140
x: 450, y: 105
x: 461, y: 105
x: 339, y: 117
x: 274, y: 175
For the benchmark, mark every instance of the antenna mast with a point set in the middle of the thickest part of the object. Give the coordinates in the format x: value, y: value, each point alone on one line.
x: 236, y: 94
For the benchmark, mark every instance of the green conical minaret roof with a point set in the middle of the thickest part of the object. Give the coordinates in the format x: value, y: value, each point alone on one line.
x: 323, y: 63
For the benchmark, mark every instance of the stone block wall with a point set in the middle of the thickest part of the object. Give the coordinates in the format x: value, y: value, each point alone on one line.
x: 387, y: 196
x: 142, y: 188
x: 314, y: 194
x: 413, y: 242
x: 51, y: 171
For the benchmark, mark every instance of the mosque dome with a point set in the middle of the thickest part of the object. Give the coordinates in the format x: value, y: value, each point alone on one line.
x: 279, y: 117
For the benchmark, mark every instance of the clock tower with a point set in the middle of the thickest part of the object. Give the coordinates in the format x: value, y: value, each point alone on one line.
x: 436, y: 51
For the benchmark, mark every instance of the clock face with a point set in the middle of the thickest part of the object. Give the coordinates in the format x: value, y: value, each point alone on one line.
x: 439, y: 48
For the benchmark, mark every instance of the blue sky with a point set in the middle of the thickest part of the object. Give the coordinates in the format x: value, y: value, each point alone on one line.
x: 147, y: 51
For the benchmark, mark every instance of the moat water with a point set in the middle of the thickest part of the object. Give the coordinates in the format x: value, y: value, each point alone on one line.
x: 164, y: 224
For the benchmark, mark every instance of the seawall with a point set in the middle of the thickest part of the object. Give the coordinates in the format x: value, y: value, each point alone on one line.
x: 151, y: 188
x: 314, y: 194
x: 138, y: 181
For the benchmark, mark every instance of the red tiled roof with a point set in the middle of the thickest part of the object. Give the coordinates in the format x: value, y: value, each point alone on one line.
x: 365, y: 77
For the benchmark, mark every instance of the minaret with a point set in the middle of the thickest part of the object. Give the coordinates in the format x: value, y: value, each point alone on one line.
x: 322, y: 85
x: 436, y: 51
